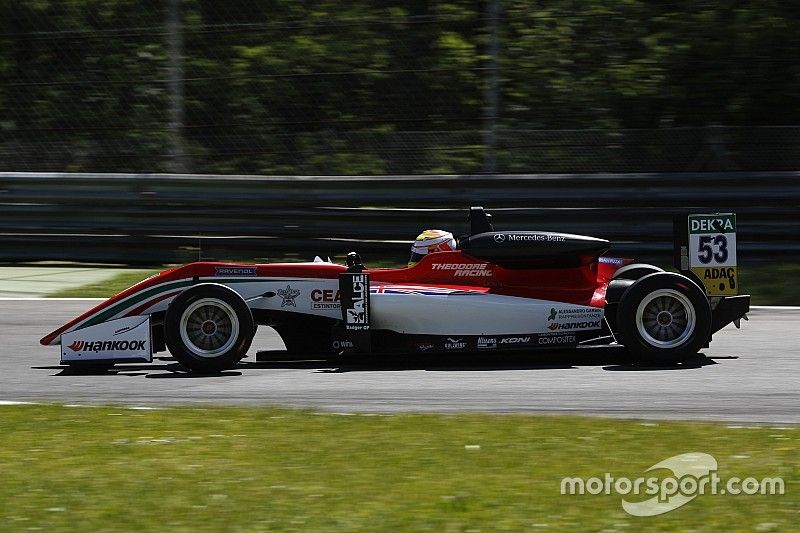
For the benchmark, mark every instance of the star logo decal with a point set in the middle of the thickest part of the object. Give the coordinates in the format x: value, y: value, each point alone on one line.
x: 288, y: 294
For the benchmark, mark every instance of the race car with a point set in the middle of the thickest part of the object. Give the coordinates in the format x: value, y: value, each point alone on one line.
x: 486, y: 292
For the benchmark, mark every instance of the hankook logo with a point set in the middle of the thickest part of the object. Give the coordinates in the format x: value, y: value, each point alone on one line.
x: 76, y: 346
x: 106, y: 346
x: 589, y: 324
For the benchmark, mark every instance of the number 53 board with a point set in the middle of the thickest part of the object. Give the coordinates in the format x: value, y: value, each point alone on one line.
x: 712, y: 252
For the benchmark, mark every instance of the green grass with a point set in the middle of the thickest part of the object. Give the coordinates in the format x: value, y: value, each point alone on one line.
x: 777, y: 284
x: 250, y: 469
x: 105, y: 288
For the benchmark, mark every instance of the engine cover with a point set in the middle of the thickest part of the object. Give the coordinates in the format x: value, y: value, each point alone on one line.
x: 539, y: 249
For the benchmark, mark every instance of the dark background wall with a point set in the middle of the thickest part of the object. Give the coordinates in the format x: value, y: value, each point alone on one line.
x: 154, y: 219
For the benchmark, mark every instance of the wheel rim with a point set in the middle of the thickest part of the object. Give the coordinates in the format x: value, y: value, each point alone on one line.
x: 665, y: 318
x: 209, y: 327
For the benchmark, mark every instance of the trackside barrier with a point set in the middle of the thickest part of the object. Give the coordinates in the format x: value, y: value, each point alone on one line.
x: 157, y: 218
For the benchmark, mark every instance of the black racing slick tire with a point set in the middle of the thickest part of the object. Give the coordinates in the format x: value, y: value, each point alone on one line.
x: 208, y: 328
x: 663, y: 318
x: 636, y: 271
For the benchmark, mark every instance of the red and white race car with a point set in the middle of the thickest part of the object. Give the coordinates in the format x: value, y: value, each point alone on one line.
x: 497, y: 291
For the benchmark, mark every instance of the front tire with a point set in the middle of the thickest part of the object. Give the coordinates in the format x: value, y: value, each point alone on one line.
x: 208, y: 328
x: 664, y: 317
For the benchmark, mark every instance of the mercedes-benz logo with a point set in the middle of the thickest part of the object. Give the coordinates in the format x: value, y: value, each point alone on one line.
x: 499, y: 237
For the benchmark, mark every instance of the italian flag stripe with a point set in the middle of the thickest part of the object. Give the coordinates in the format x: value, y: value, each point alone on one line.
x: 120, y: 307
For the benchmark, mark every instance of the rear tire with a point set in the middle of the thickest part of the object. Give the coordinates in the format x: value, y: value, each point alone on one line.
x: 636, y: 271
x: 208, y: 328
x: 664, y: 317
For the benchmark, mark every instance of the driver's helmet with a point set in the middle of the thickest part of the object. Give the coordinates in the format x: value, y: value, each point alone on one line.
x: 429, y: 241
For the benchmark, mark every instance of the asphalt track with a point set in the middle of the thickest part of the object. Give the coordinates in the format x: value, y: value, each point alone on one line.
x: 749, y: 375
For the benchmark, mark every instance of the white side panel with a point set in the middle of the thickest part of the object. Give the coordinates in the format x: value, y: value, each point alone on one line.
x: 479, y: 314
x: 309, y: 296
x: 124, y: 339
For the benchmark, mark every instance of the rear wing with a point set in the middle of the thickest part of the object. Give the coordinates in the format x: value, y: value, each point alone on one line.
x: 705, y: 251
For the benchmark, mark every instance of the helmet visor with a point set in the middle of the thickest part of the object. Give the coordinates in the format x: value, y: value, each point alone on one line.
x: 415, y: 258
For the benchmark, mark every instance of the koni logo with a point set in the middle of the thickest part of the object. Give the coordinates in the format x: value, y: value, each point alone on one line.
x: 515, y: 340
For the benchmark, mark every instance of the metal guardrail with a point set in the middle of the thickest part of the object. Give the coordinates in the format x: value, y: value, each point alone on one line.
x: 154, y: 219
